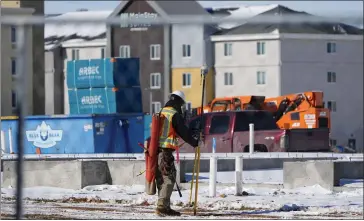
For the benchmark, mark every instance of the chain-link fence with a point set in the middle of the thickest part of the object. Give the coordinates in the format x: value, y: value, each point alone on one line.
x: 185, y: 48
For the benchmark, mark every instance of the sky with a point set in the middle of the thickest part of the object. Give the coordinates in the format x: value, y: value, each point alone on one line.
x: 323, y: 8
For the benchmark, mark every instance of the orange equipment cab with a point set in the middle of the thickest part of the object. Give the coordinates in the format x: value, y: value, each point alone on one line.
x: 300, y: 110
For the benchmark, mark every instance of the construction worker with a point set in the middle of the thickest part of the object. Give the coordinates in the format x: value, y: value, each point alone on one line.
x: 172, y: 126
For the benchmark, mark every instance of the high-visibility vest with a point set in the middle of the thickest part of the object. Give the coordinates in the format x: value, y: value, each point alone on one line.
x: 168, y: 136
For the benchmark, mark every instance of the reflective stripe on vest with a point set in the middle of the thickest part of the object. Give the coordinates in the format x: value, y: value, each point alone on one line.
x: 167, y: 138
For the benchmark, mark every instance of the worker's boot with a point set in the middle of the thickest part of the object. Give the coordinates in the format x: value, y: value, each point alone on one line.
x: 161, y: 211
x: 172, y: 212
x: 166, y: 212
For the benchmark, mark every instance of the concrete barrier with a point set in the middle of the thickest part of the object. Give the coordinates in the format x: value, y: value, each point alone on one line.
x: 63, y: 174
x: 74, y: 174
x: 125, y: 172
x: 324, y: 173
x: 248, y: 164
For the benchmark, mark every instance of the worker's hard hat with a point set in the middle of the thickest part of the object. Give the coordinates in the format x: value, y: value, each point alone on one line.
x: 179, y: 94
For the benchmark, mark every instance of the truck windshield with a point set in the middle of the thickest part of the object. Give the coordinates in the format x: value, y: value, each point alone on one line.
x: 262, y: 120
x: 220, y: 106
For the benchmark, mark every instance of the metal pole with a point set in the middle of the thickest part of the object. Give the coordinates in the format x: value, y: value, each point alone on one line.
x: 1, y: 139
x: 21, y: 90
x: 213, y: 170
x: 251, y: 138
x: 213, y: 173
x: 238, y: 176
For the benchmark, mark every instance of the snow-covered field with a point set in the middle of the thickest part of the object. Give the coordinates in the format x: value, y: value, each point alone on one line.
x: 272, y: 176
x: 126, y: 202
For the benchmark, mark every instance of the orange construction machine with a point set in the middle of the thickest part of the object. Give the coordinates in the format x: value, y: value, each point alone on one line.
x: 300, y: 110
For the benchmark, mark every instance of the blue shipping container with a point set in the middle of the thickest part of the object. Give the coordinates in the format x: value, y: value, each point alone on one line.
x: 82, y: 134
x: 108, y: 72
x: 105, y: 100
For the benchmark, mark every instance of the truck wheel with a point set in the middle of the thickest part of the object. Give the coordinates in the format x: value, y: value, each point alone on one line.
x: 257, y: 148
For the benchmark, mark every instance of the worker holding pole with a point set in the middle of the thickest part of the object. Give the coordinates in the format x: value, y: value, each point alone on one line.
x: 172, y: 124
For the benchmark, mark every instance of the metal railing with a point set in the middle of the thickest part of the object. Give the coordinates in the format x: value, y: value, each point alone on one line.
x: 190, y: 156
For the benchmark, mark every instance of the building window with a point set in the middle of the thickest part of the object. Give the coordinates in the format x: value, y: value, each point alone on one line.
x: 228, y: 49
x: 188, y: 106
x: 155, y: 52
x: 75, y: 54
x: 331, y: 47
x: 331, y: 105
x: 156, y: 107
x: 102, y: 52
x: 186, y: 80
x: 124, y: 51
x: 186, y: 51
x: 260, y: 77
x: 155, y: 81
x: 13, y: 35
x: 13, y: 66
x: 260, y: 48
x: 331, y: 77
x: 13, y: 99
x: 228, y: 78
x: 333, y: 142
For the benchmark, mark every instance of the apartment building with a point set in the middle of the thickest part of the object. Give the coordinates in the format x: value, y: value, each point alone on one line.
x: 69, y: 42
x: 161, y: 48
x: 276, y: 59
x: 38, y: 92
x: 189, y: 55
x: 8, y: 65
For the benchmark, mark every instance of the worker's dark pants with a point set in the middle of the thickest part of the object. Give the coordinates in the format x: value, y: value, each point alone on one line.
x: 165, y: 177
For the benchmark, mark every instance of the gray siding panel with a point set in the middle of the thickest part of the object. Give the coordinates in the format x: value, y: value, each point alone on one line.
x: 187, y: 34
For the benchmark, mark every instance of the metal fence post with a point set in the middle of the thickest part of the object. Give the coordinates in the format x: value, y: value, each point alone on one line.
x: 21, y: 89
x: 251, y: 138
x: 238, y: 176
x: 213, y: 173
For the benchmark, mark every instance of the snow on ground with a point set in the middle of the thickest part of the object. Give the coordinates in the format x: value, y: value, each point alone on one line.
x: 272, y: 176
x: 130, y: 202
x: 269, y: 176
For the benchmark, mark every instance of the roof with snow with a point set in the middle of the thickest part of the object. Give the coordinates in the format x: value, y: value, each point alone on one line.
x: 56, y: 34
x: 251, y: 26
x: 67, y: 29
x: 241, y: 12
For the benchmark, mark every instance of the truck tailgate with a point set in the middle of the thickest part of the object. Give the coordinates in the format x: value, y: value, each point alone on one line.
x: 308, y: 140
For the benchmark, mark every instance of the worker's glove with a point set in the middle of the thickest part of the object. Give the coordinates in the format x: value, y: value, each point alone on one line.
x: 201, y: 143
x: 202, y: 137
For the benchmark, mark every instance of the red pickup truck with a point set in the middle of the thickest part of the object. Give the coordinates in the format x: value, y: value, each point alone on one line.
x: 231, y: 132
